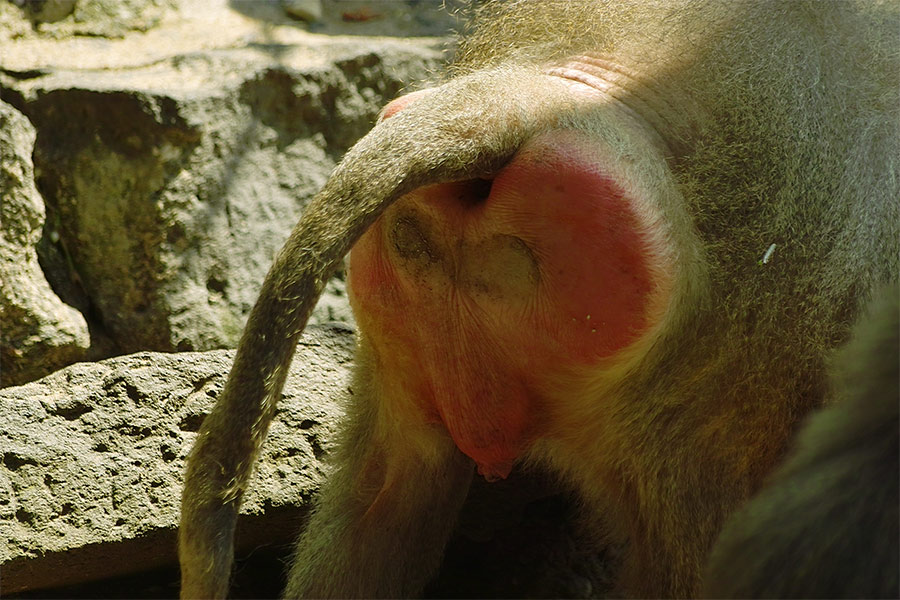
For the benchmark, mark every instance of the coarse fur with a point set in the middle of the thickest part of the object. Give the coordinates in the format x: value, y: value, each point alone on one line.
x: 827, y: 524
x: 736, y: 128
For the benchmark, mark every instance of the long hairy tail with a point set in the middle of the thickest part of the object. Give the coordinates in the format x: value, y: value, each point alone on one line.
x: 446, y: 136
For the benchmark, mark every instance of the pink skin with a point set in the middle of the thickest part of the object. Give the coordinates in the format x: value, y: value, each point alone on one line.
x: 473, y: 303
x: 400, y: 103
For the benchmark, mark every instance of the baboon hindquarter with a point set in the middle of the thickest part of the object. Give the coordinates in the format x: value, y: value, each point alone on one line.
x: 619, y: 242
x: 827, y: 523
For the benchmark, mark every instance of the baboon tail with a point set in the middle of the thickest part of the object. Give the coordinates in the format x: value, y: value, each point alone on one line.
x: 445, y: 136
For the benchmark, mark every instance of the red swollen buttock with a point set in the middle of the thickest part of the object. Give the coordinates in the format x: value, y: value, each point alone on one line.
x: 474, y: 294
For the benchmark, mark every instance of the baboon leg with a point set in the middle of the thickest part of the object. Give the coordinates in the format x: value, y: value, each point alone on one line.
x: 383, y: 518
x: 827, y: 523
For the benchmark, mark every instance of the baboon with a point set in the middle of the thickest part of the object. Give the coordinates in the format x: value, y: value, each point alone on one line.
x: 620, y: 242
x: 827, y: 525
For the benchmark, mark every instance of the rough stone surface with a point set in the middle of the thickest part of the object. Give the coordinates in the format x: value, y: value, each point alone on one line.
x: 101, y: 18
x: 38, y: 332
x: 93, y: 456
x: 151, y: 29
x: 91, y: 476
x: 175, y: 158
x: 170, y: 187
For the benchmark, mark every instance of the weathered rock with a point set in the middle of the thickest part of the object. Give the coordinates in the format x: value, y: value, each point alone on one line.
x: 93, y: 455
x: 170, y: 186
x: 144, y: 29
x: 305, y: 10
x: 46, y: 11
x: 91, y: 475
x: 107, y: 18
x: 38, y: 332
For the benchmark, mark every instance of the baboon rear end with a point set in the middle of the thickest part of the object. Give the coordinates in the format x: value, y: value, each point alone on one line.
x: 619, y: 243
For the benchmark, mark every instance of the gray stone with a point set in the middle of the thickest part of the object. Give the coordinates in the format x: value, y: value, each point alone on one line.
x: 91, y: 475
x: 46, y: 11
x: 38, y: 332
x: 305, y: 10
x: 107, y: 18
x: 170, y: 186
x: 93, y: 456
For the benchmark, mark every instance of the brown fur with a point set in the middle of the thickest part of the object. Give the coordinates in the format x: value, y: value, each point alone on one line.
x: 746, y: 125
x: 827, y: 525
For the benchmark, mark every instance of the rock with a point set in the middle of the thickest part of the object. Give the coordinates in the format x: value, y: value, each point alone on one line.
x: 39, y: 332
x: 91, y: 476
x: 46, y: 11
x: 305, y: 10
x: 107, y: 18
x: 93, y: 456
x: 170, y: 186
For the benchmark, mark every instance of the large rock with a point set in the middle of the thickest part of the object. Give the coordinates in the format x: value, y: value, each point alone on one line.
x: 93, y: 456
x: 91, y: 476
x: 170, y: 187
x: 38, y: 332
x: 175, y: 158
